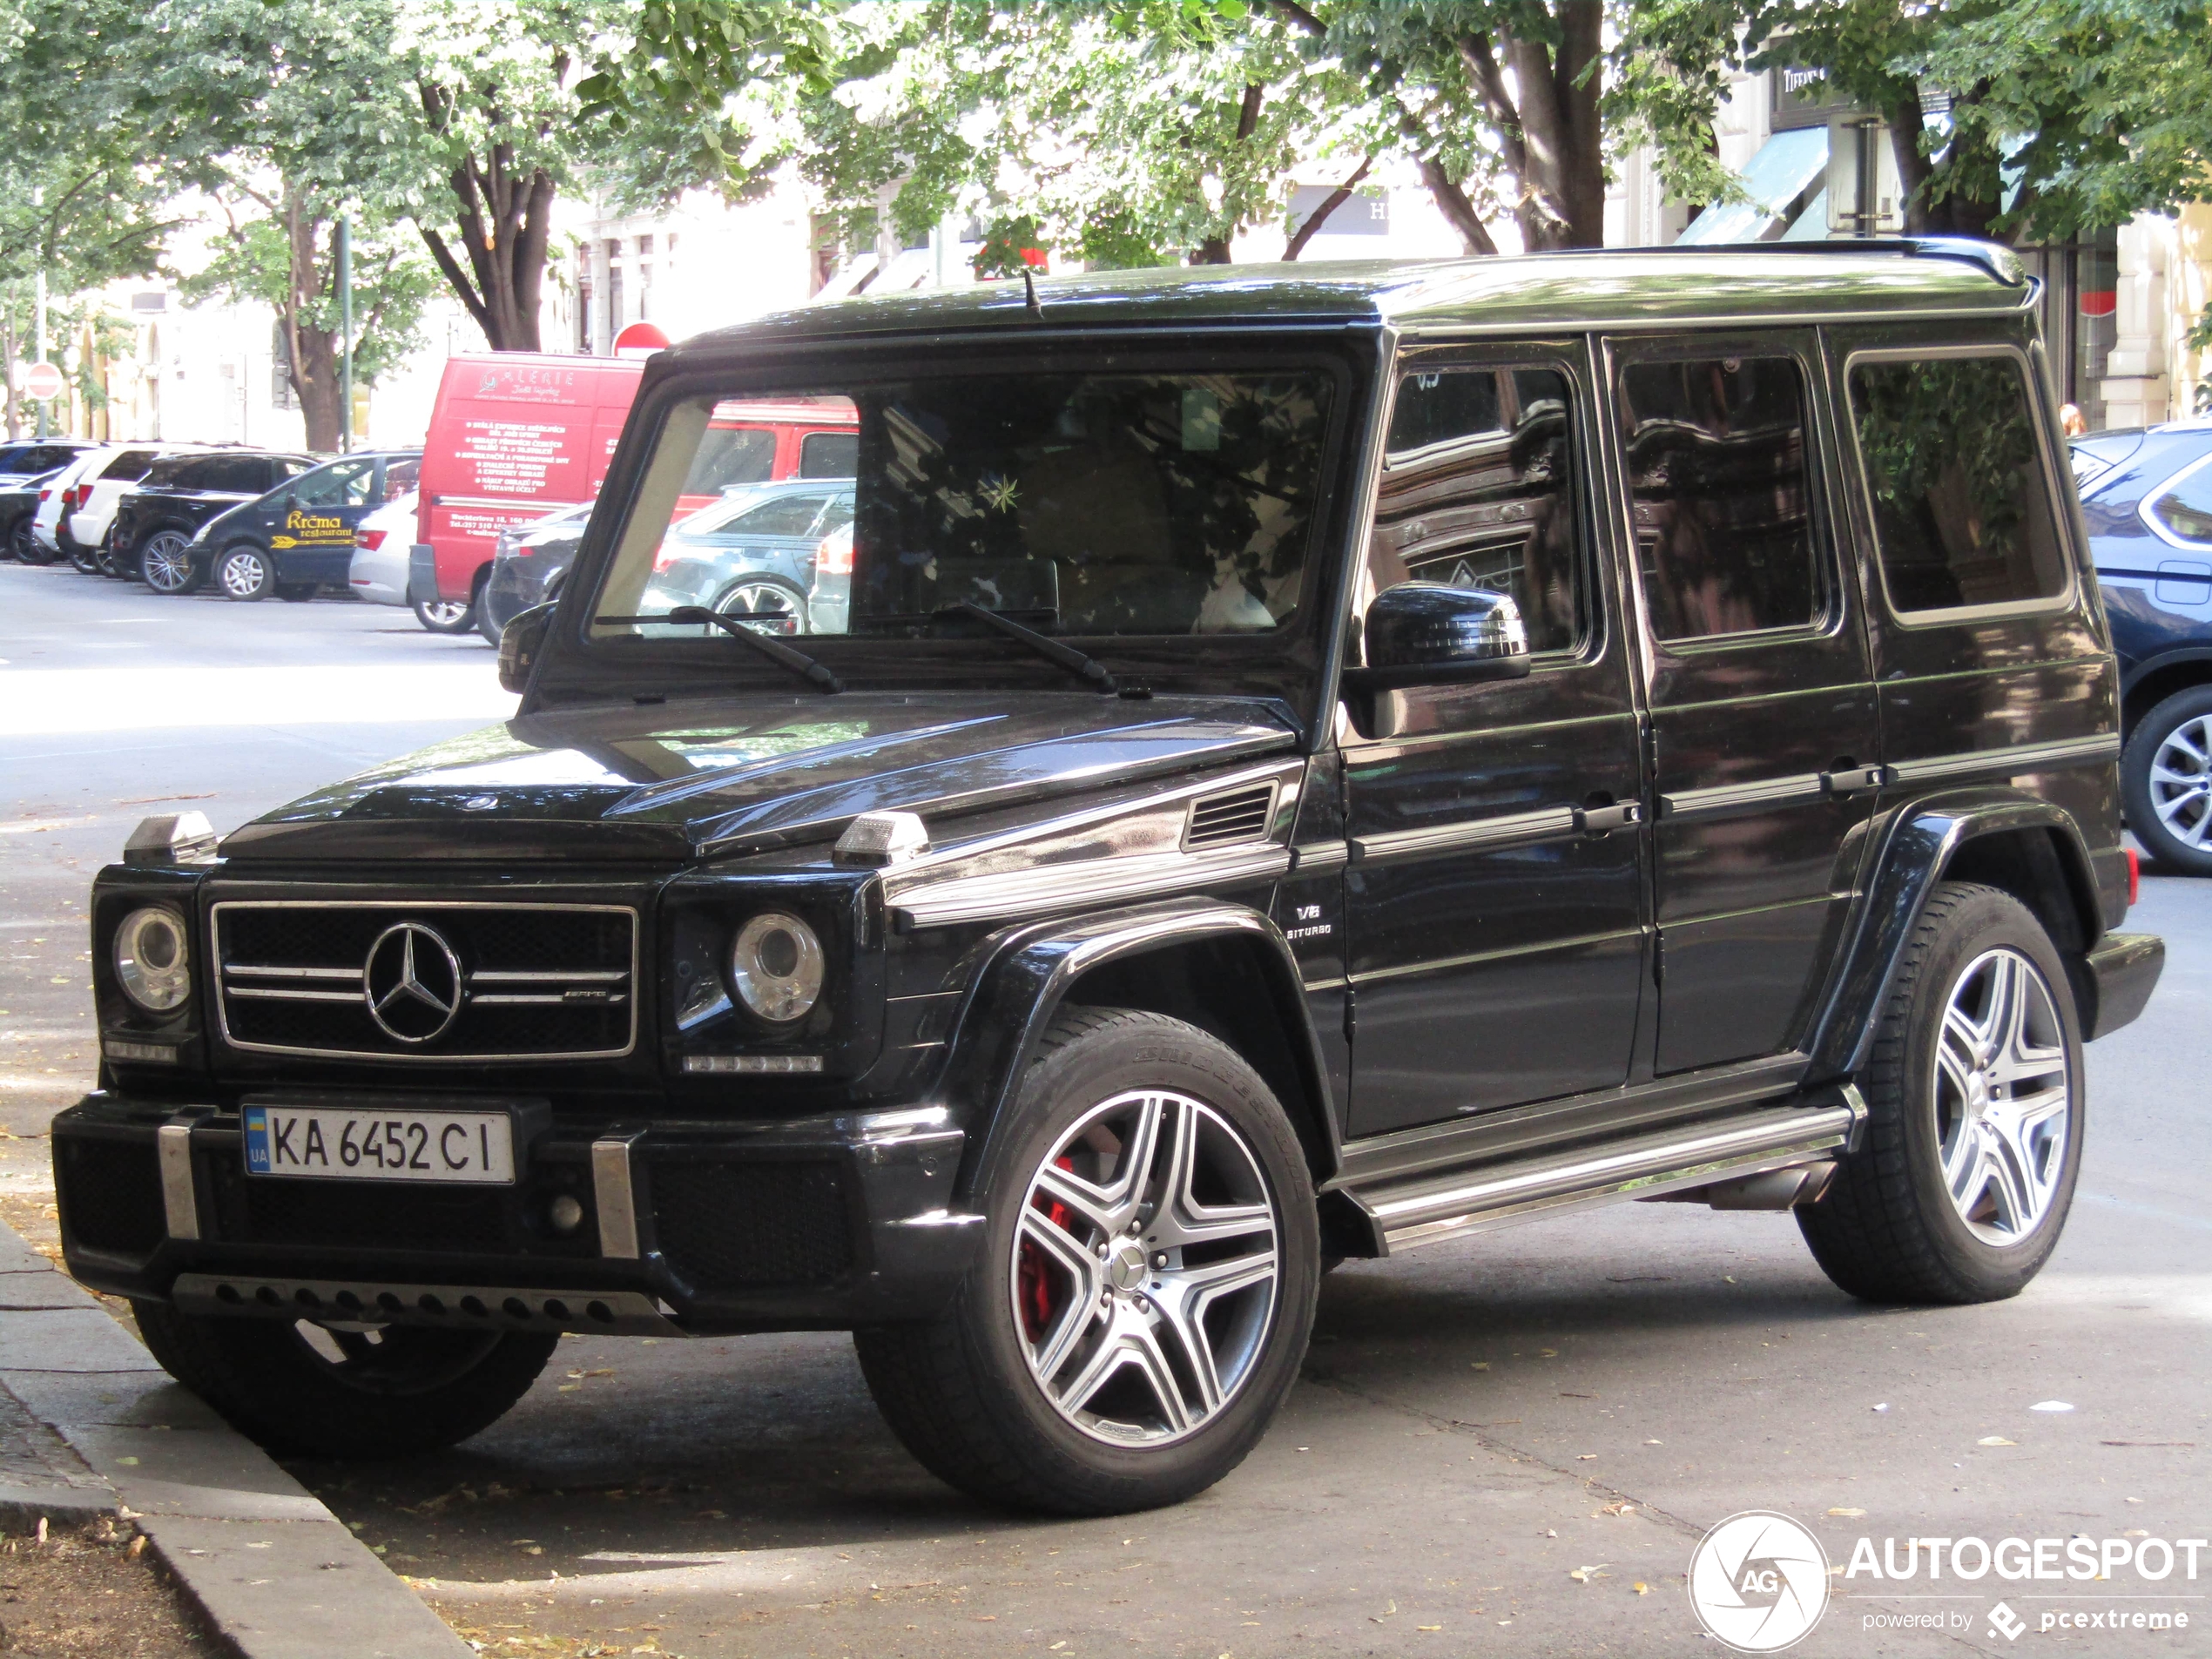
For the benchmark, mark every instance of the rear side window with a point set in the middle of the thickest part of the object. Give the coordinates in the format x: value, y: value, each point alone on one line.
x: 2183, y: 510
x: 731, y: 455
x: 400, y: 476
x: 1718, y: 480
x: 1962, y: 516
x: 829, y: 454
x: 129, y: 467
x: 1478, y: 491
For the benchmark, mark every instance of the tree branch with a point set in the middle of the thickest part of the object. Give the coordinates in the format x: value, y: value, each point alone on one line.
x: 1335, y: 199
x: 457, y: 280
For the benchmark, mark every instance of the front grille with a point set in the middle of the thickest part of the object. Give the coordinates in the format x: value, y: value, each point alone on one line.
x: 438, y: 981
x: 1229, y: 819
x: 110, y: 1194
x: 745, y: 1226
x: 358, y: 1214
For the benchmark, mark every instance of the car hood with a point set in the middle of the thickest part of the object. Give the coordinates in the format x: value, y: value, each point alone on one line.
x: 691, y: 781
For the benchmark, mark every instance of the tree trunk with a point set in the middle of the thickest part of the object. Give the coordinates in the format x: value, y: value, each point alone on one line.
x: 1562, y: 170
x: 1957, y: 214
x: 313, y: 351
x: 322, y: 395
x: 8, y: 374
x: 1214, y: 250
x: 504, y: 221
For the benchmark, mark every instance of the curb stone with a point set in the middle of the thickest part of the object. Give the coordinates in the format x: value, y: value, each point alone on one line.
x: 91, y: 1426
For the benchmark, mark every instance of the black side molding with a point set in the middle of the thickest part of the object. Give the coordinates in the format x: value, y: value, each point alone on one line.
x: 2118, y: 976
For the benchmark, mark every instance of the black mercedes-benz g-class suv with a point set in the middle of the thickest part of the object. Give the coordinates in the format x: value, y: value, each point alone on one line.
x: 1313, y: 762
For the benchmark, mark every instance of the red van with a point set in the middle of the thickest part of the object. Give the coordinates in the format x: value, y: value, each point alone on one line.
x: 516, y: 435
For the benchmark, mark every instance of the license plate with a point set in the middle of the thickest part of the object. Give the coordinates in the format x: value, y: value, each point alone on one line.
x: 357, y: 1144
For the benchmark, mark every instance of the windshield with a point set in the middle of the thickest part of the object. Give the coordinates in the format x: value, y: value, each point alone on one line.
x: 1103, y: 503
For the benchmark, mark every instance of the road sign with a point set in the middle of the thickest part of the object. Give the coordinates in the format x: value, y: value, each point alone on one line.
x: 639, y: 340
x: 43, y: 381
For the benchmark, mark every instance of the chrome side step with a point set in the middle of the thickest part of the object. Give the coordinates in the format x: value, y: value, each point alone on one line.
x: 1431, y: 1207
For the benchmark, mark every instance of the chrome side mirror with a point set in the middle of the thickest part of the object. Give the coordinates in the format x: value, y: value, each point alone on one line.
x: 519, y: 644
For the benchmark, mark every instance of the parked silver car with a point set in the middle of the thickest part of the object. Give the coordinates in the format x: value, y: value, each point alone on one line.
x: 750, y: 552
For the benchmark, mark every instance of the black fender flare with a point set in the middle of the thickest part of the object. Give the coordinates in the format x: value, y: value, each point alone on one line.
x: 1029, y: 974
x: 2142, y: 671
x: 1914, y: 852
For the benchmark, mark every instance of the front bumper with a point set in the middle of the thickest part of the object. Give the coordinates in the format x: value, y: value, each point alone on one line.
x: 691, y: 1228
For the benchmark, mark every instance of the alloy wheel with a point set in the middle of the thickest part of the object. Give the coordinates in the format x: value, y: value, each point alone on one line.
x: 2181, y: 782
x: 1146, y: 1267
x: 245, y: 574
x: 165, y: 561
x: 756, y: 597
x: 2002, y: 1094
x: 446, y: 613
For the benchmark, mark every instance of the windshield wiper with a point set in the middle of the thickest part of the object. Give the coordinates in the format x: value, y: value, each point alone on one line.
x: 1045, y: 645
x: 783, y: 656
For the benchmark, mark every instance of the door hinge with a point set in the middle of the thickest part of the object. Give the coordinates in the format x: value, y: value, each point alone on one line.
x: 1658, y: 959
x: 1351, y: 1013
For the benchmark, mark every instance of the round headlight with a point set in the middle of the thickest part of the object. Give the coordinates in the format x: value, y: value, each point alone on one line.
x: 776, y: 966
x: 151, y: 959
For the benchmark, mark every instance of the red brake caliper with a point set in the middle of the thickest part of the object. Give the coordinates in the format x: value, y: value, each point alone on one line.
x: 1035, y: 1289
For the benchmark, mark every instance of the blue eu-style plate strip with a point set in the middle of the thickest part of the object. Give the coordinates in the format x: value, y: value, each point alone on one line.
x: 257, y: 1140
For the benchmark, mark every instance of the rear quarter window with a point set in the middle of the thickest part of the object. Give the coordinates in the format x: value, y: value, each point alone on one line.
x: 1963, y: 516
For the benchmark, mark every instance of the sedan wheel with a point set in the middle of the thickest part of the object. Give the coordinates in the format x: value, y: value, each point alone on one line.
x: 165, y: 562
x: 2166, y: 781
x: 245, y: 574
x: 446, y: 615
x: 782, y: 609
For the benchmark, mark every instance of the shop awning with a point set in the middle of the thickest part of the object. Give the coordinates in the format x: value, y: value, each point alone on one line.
x: 1789, y: 167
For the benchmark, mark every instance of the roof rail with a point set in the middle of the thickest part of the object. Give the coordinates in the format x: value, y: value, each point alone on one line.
x: 1995, y: 258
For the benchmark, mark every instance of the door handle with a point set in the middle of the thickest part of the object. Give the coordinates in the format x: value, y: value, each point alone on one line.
x: 1851, y: 780
x: 1604, y: 820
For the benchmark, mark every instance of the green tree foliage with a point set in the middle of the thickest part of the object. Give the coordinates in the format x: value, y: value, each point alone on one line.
x: 2023, y: 119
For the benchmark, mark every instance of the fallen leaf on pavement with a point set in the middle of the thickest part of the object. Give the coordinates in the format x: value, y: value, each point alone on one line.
x: 1995, y: 1440
x: 1847, y: 1514
x: 1642, y: 1588
x: 1584, y: 1575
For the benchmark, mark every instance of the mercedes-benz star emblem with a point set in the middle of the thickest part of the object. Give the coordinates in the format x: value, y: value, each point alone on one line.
x: 412, y: 981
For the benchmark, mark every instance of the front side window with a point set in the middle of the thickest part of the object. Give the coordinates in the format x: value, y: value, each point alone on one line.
x: 2183, y: 508
x: 343, y: 484
x: 1962, y: 517
x: 1074, y: 502
x: 1718, y: 481
x: 1477, y: 491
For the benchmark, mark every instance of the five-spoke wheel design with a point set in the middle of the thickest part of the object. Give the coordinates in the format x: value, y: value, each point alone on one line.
x: 244, y: 573
x: 2180, y: 783
x: 780, y: 610
x: 2001, y: 1097
x: 1145, y: 1268
x: 164, y: 562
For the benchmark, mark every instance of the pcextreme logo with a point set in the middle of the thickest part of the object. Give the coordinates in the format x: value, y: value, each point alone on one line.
x: 1758, y: 1582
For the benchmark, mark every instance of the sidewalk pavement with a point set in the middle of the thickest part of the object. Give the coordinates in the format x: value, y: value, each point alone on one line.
x: 89, y: 1425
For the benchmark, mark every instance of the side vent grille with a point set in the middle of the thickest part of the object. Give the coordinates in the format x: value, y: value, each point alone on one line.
x: 1228, y: 819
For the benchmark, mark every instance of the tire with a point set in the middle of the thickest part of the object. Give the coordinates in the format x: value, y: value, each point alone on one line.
x: 105, y: 558
x: 393, y: 1393
x: 491, y: 629
x: 245, y: 573
x: 749, y: 594
x: 165, y: 563
x: 22, y: 545
x: 1888, y: 1228
x: 2166, y: 781
x: 84, y: 558
x: 296, y: 593
x: 968, y: 1392
x: 447, y: 615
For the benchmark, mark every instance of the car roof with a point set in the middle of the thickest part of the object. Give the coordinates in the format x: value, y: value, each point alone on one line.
x: 1778, y: 282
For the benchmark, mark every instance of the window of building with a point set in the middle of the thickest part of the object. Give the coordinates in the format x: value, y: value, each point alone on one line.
x: 1477, y: 492
x: 1961, y: 513
x: 1719, y: 484
x: 584, y: 295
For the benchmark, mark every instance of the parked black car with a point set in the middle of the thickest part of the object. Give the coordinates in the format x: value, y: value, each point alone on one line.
x: 24, y: 468
x: 2146, y: 495
x: 529, y: 563
x: 292, y: 540
x: 156, y: 520
x: 1312, y: 763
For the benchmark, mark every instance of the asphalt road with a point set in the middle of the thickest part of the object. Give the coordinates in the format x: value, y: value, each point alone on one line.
x: 1502, y: 1445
